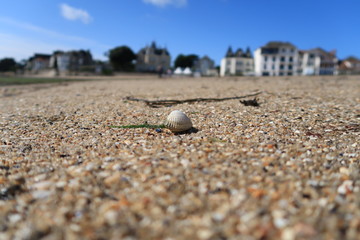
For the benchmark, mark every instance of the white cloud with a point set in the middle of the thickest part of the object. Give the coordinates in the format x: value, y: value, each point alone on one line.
x: 163, y: 3
x: 73, y: 14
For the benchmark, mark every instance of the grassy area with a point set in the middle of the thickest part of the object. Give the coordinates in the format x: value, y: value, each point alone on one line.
x: 31, y: 80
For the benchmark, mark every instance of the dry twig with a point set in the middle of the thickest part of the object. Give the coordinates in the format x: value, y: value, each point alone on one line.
x: 170, y: 102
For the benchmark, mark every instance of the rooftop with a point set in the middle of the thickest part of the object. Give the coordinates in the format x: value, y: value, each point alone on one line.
x: 277, y: 44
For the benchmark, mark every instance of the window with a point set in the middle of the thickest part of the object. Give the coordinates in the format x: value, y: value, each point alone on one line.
x: 274, y: 59
x: 290, y: 67
x: 290, y: 59
x: 239, y: 63
x: 264, y: 66
x: 273, y: 67
x: 282, y: 59
x: 270, y: 50
x: 265, y: 58
x: 282, y: 67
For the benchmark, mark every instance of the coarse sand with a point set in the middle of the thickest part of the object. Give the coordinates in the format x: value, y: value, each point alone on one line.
x: 287, y: 169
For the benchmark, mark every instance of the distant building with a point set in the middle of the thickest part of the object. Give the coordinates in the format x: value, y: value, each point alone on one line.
x: 276, y: 59
x: 60, y: 61
x: 237, y: 63
x: 71, y: 62
x: 151, y: 58
x: 38, y: 63
x: 205, y: 66
x: 317, y: 61
x: 349, y: 66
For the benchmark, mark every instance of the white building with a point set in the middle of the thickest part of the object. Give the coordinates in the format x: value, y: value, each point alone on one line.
x: 60, y: 61
x: 276, y: 59
x: 317, y: 62
x: 237, y: 64
x: 71, y: 62
x: 38, y: 62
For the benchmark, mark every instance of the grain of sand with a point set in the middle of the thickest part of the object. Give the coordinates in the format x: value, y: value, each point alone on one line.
x: 288, y: 169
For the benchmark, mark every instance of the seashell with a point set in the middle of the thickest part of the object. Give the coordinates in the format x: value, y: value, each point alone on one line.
x: 177, y: 121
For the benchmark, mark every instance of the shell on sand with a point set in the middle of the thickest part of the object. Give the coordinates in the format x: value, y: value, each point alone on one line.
x: 177, y: 121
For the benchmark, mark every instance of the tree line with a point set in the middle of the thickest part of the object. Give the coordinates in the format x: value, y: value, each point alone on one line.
x: 121, y: 58
x: 8, y: 65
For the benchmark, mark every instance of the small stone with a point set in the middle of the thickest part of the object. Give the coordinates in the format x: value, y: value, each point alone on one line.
x: 14, y: 218
x: 346, y: 187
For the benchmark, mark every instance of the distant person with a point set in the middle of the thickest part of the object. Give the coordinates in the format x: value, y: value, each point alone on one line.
x: 160, y: 71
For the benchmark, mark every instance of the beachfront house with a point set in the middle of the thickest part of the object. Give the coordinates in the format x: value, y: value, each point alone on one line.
x: 38, y: 63
x: 238, y: 63
x: 317, y: 61
x: 205, y: 66
x: 71, y: 62
x: 349, y: 66
x: 152, y: 58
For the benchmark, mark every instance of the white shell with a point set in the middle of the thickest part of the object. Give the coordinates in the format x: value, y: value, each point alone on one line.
x: 177, y: 121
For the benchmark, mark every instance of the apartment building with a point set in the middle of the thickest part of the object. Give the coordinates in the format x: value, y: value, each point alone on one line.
x: 238, y: 63
x: 276, y: 59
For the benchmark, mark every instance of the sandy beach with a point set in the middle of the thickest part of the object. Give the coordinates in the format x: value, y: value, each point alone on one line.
x: 287, y: 169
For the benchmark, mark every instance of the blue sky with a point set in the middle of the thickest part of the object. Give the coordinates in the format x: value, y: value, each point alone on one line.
x: 202, y: 27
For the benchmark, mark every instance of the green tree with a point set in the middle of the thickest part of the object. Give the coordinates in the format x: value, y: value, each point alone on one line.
x: 7, y: 64
x: 184, y: 61
x: 122, y: 58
